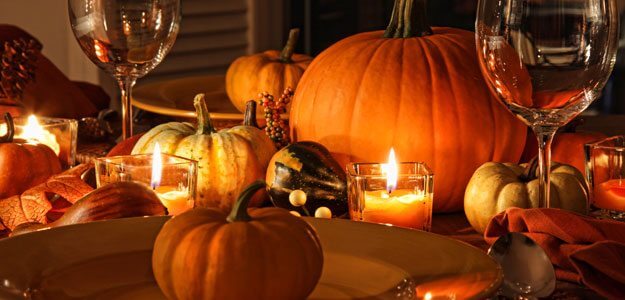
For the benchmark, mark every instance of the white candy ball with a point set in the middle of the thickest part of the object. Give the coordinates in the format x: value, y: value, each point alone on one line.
x: 323, y: 212
x: 297, y: 198
x: 295, y: 213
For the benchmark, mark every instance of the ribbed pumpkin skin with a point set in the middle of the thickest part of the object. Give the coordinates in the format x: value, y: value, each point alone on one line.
x: 23, y: 166
x: 262, y: 145
x: 424, y: 96
x: 226, y: 161
x: 199, y: 255
x: 263, y: 72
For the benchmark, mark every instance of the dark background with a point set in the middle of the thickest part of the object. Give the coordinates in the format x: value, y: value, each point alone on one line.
x: 324, y: 22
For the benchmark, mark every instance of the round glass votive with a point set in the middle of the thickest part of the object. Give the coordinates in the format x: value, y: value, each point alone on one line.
x: 408, y: 205
x: 605, y: 173
x: 176, y: 188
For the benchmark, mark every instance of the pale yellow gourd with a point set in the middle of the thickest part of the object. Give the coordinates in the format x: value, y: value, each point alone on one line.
x: 494, y: 187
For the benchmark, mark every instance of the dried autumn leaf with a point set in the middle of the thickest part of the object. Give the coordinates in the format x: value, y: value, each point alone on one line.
x: 35, y: 203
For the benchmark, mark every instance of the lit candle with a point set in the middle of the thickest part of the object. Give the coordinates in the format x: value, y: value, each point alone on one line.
x: 610, y: 195
x: 175, y: 199
x: 400, y: 207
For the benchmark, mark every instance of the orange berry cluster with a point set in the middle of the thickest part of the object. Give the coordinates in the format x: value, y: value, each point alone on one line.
x: 276, y: 128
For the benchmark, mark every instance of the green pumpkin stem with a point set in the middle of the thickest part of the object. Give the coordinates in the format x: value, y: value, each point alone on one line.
x: 239, y: 210
x: 409, y: 19
x: 289, y: 48
x: 204, y: 123
x: 250, y: 114
x: 8, y: 136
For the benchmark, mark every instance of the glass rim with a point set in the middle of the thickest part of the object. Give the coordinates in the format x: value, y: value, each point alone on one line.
x: 427, y: 172
x: 179, y: 160
x: 40, y: 119
x: 598, y: 144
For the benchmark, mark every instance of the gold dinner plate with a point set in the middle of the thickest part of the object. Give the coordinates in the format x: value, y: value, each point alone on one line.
x: 174, y: 97
x: 111, y: 260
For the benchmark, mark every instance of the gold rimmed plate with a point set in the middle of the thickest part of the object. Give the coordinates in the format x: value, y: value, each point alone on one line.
x: 111, y: 260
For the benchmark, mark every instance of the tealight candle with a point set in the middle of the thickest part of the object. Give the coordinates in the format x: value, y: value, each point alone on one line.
x: 605, y: 161
x: 58, y: 134
x: 172, y: 178
x: 391, y: 193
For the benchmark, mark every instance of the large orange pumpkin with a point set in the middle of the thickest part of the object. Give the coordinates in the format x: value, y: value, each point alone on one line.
x: 417, y: 89
x: 271, y: 71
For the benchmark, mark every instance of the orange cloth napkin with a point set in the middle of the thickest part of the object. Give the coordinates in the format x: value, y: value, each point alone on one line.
x: 583, y: 249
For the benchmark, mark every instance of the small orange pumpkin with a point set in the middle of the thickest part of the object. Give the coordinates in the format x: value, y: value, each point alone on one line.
x: 270, y: 71
x: 266, y: 254
x: 23, y: 165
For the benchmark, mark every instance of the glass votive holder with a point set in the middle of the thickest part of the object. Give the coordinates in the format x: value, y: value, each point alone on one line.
x: 59, y: 134
x: 605, y: 173
x: 178, y: 178
x: 408, y: 205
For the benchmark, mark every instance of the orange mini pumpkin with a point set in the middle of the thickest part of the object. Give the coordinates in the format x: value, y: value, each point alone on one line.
x: 266, y: 254
x: 270, y: 71
x: 415, y: 88
x: 23, y: 165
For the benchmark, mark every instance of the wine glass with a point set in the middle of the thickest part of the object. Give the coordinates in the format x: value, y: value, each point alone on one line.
x: 126, y: 38
x: 546, y: 61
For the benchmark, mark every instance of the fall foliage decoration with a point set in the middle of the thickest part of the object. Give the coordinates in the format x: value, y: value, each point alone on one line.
x: 43, y: 202
x: 17, y: 68
x: 277, y: 128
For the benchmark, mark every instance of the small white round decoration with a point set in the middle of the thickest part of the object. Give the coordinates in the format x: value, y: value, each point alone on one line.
x: 297, y: 198
x: 323, y: 213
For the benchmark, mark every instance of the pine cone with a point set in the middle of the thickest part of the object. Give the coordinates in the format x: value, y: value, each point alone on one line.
x: 17, y: 68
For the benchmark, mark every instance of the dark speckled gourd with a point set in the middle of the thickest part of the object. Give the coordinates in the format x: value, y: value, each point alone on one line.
x: 307, y: 166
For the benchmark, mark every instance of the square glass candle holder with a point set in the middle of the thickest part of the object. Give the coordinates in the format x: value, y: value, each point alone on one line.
x: 408, y: 205
x: 605, y: 173
x: 60, y: 135
x: 176, y: 189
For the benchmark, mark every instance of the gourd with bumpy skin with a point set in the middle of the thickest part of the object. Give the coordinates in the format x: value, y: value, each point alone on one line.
x: 264, y: 254
x: 23, y: 165
x: 226, y: 161
x: 495, y: 187
x: 414, y: 88
x: 271, y: 71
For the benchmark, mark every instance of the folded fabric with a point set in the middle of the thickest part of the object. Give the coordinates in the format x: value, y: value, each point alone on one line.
x: 583, y: 249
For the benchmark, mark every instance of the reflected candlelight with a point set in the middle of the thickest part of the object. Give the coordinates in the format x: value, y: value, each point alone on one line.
x: 391, y: 193
x: 34, y: 133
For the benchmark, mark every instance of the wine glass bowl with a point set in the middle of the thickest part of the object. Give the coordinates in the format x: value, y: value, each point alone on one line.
x: 126, y: 38
x: 546, y: 60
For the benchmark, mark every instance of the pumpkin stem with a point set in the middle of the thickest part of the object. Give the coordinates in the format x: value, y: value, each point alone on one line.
x: 239, y: 210
x: 8, y: 137
x: 250, y: 114
x: 409, y: 19
x: 530, y: 171
x: 204, y: 123
x: 289, y: 48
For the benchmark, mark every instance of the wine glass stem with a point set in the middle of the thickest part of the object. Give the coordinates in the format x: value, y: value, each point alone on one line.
x: 125, y: 86
x: 545, y: 135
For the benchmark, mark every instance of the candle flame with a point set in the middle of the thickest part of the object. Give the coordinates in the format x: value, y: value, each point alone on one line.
x: 34, y: 133
x: 391, y: 172
x: 157, y: 166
